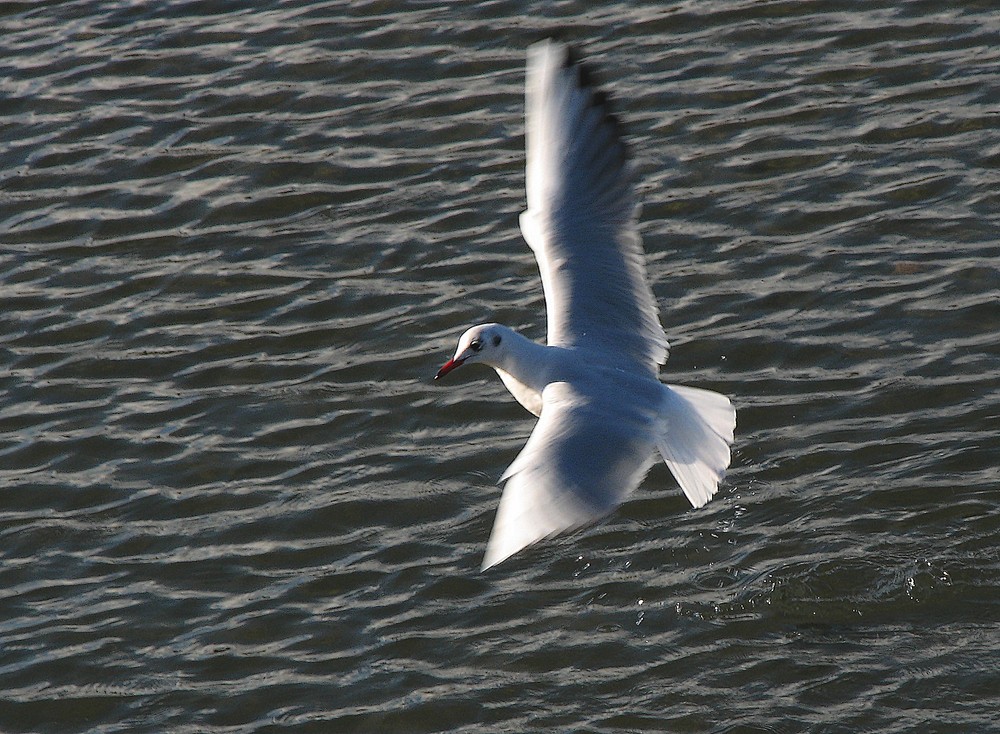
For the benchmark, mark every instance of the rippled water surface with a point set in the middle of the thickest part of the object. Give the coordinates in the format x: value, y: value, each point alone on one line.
x: 237, y: 240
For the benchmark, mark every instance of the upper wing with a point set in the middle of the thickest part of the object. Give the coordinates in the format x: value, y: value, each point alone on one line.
x: 587, y: 453
x: 581, y: 216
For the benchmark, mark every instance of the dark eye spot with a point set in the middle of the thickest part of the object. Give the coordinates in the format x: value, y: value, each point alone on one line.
x: 475, y: 345
x: 496, y: 340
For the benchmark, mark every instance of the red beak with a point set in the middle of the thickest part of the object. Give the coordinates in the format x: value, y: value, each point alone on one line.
x: 448, y: 367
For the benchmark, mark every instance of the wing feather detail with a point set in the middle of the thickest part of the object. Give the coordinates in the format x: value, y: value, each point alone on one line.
x: 581, y: 220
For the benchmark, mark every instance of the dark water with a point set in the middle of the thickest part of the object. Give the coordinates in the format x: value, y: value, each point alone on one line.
x: 236, y: 244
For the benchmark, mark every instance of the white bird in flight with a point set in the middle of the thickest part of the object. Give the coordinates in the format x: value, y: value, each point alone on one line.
x: 603, y: 414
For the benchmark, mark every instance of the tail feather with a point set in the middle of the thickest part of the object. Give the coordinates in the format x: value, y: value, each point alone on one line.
x: 698, y: 430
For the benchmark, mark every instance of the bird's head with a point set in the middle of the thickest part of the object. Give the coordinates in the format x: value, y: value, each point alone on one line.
x: 483, y: 343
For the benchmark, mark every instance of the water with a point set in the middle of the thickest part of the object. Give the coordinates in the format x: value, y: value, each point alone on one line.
x: 236, y: 244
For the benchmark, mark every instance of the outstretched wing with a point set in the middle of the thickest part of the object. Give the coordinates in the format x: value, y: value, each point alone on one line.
x: 587, y: 453
x: 581, y: 216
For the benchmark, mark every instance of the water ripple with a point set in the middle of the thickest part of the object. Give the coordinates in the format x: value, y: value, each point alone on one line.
x: 237, y: 243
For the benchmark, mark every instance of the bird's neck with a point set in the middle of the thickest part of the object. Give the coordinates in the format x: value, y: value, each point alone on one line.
x: 525, y: 361
x: 525, y: 371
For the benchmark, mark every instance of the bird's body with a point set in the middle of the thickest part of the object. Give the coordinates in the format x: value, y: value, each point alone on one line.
x: 603, y: 413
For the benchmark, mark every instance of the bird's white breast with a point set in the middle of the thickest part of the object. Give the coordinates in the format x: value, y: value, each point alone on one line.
x: 526, y: 396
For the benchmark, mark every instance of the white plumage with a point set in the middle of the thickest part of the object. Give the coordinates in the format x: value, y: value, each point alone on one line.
x: 603, y: 413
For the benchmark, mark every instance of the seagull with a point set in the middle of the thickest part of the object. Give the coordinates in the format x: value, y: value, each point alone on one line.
x: 603, y: 414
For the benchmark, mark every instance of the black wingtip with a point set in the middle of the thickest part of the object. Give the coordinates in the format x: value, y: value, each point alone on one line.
x: 588, y: 76
x: 589, y: 79
x: 573, y: 55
